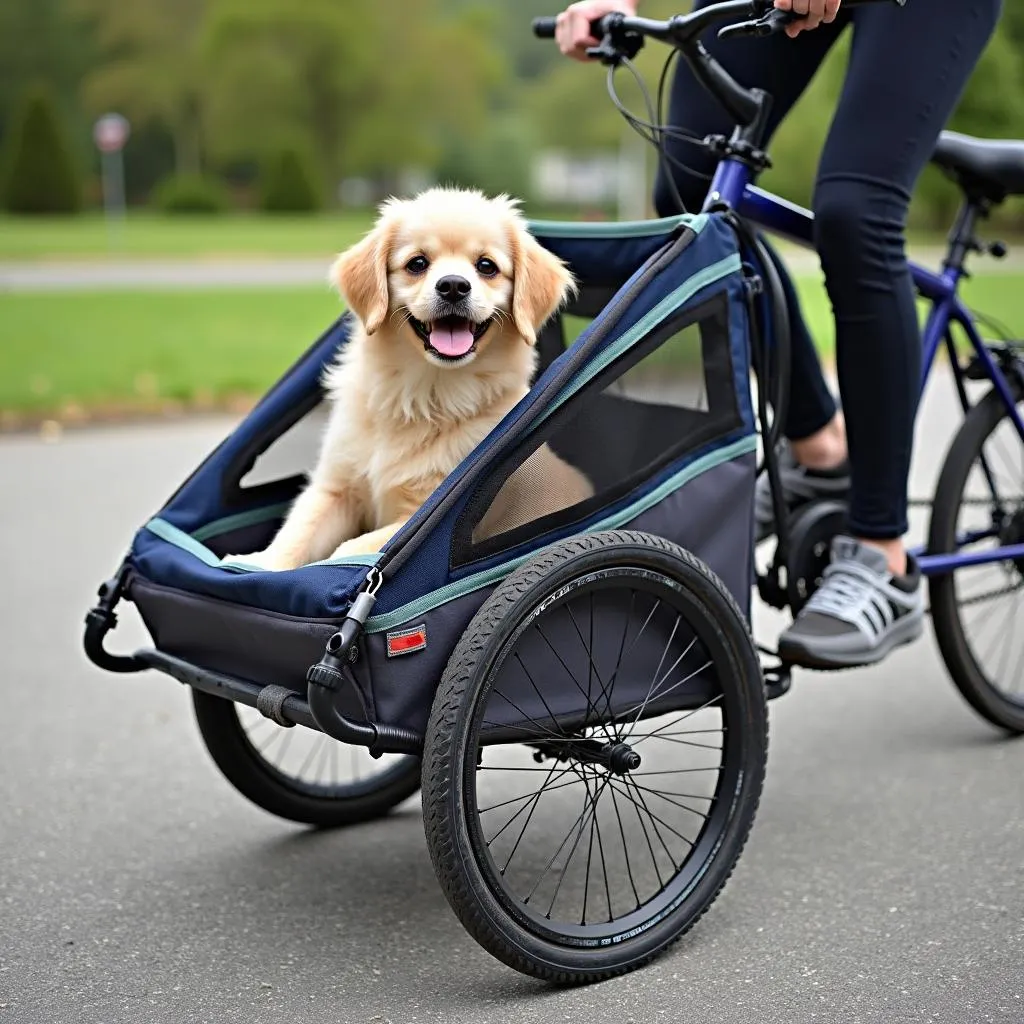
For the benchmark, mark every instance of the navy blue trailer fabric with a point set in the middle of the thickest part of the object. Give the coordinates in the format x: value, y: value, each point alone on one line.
x: 662, y: 272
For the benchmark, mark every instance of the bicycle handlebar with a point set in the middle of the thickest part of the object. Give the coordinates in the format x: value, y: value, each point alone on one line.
x: 762, y: 19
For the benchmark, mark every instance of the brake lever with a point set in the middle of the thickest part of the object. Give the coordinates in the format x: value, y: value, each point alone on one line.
x: 767, y: 25
x: 775, y: 20
x: 616, y: 45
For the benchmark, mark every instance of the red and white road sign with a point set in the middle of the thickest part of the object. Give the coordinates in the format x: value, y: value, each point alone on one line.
x: 110, y: 133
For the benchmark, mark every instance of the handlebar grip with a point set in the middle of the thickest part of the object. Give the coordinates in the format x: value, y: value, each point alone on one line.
x: 544, y: 28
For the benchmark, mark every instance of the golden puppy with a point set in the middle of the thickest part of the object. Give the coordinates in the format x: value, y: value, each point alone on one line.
x: 449, y: 290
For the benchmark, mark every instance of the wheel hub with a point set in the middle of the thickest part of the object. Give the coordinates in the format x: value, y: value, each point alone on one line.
x: 1013, y: 533
x: 618, y: 758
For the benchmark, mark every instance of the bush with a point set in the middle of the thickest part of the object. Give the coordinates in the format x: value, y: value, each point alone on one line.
x: 39, y: 174
x: 187, y: 193
x: 497, y: 161
x: 290, y: 184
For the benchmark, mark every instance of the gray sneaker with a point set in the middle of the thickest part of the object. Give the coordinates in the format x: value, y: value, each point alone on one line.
x: 799, y: 486
x: 860, y: 612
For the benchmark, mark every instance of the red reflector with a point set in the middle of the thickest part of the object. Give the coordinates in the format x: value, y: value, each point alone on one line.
x: 407, y: 640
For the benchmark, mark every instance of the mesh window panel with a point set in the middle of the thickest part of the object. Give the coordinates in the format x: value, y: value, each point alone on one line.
x: 294, y: 451
x: 671, y: 393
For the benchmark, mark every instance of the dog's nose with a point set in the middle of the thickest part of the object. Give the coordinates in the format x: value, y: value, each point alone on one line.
x: 452, y: 287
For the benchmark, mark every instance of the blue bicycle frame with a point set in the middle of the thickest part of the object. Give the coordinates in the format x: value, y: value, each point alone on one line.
x: 732, y: 187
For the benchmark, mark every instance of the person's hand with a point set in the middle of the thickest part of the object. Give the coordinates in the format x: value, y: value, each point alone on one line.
x: 572, y: 29
x: 816, y: 12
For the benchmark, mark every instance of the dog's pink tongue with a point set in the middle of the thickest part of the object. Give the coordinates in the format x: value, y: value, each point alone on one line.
x: 451, y: 340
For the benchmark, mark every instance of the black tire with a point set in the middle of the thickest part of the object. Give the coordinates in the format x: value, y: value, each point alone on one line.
x: 290, y: 796
x: 464, y: 860
x: 980, y: 690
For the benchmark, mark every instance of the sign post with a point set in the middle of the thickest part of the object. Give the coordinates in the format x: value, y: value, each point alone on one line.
x: 110, y: 133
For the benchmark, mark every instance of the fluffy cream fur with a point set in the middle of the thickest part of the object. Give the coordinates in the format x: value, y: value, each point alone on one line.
x: 402, y: 414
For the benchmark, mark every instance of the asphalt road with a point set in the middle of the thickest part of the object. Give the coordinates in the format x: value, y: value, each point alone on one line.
x: 152, y: 273
x: 882, y: 881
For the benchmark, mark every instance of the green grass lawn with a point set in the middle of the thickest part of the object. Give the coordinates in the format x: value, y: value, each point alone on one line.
x: 68, y: 354
x: 150, y: 235
x: 115, y: 351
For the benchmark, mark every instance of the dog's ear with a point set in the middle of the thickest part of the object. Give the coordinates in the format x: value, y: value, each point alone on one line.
x: 541, y: 282
x: 361, y: 275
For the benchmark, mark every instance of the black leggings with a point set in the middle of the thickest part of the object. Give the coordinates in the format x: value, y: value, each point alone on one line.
x: 908, y: 68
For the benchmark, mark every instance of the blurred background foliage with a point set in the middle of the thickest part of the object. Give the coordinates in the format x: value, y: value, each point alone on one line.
x: 291, y: 106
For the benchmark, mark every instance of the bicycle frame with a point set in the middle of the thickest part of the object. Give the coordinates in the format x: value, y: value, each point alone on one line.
x: 732, y: 187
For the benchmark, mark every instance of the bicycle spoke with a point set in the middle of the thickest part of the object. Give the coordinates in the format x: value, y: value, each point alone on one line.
x: 313, y: 748
x: 654, y: 817
x: 590, y: 851
x: 646, y: 622
x: 604, y: 869
x: 622, y: 647
x: 668, y: 853
x: 536, y: 689
x: 525, y: 796
x: 569, y: 673
x: 561, y: 846
x: 1008, y: 635
x: 592, y: 810
x: 668, y: 799
x: 656, y: 682
x: 592, y: 670
x: 685, y: 743
x: 689, y: 714
x: 540, y: 792
x: 625, y: 849
x: 685, y: 732
x: 650, y: 845
x: 543, y: 731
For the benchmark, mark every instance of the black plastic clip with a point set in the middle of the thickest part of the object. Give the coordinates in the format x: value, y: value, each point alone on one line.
x: 100, y: 619
x: 327, y: 676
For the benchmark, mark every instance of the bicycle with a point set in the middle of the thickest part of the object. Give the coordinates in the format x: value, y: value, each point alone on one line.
x: 987, y: 173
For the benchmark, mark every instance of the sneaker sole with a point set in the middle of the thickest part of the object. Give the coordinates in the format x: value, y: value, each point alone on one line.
x: 797, y: 654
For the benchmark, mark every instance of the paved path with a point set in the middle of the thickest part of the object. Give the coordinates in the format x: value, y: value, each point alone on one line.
x: 164, y: 274
x: 882, y: 882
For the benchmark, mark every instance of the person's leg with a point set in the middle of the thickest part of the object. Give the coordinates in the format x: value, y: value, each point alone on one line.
x: 908, y: 68
x: 813, y: 464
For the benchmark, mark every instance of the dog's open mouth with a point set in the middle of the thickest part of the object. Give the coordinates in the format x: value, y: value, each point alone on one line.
x: 451, y: 337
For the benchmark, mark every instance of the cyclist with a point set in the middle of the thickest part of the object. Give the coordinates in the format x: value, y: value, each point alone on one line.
x: 907, y: 70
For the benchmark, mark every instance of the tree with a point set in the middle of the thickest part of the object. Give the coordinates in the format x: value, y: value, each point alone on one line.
x: 370, y: 88
x: 290, y: 183
x: 40, y: 42
x: 152, y: 67
x: 40, y: 173
x: 288, y: 74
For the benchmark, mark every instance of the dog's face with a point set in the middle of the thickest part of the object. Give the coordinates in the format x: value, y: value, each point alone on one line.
x: 451, y: 271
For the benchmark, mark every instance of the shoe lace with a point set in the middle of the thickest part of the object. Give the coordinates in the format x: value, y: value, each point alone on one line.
x: 846, y: 590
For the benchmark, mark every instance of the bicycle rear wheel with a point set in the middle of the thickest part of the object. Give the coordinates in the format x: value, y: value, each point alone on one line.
x: 977, y: 612
x: 298, y: 773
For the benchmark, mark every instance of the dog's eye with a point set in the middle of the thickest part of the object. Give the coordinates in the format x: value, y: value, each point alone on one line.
x: 417, y: 265
x: 486, y: 267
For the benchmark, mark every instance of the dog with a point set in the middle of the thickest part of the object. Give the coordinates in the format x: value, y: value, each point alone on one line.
x: 448, y: 291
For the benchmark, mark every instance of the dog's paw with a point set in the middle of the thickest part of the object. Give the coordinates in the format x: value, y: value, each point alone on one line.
x: 267, y: 560
x: 356, y: 546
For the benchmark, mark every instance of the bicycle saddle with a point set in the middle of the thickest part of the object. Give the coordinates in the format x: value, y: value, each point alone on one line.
x: 985, y: 168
